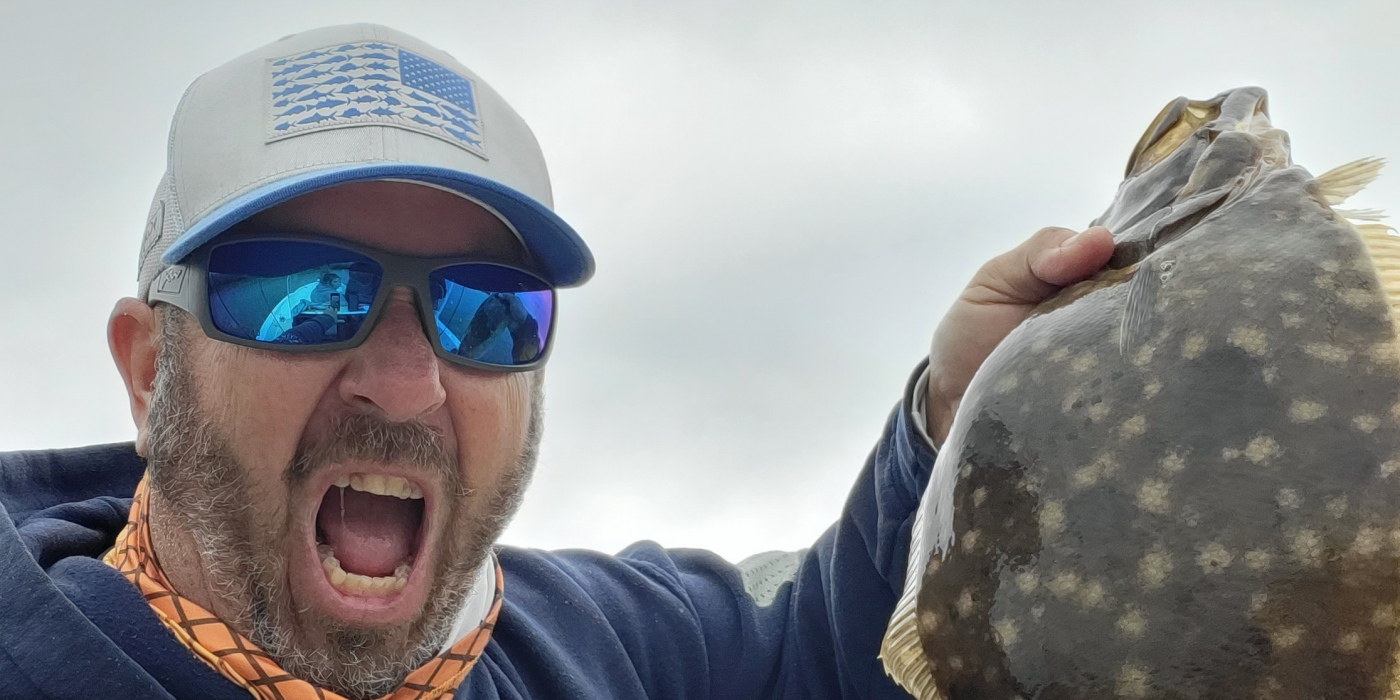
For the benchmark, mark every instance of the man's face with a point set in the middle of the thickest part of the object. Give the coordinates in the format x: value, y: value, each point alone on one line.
x: 349, y: 586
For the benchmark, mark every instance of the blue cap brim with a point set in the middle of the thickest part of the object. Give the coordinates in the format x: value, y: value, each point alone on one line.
x: 558, y: 252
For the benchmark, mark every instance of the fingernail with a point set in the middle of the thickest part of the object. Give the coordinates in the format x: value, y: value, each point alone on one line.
x: 1072, y: 240
x: 1069, y: 242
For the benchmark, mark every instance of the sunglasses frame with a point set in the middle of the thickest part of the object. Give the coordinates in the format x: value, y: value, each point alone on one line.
x: 186, y: 285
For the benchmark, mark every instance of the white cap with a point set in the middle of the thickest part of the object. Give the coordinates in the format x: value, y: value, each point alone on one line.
x: 348, y: 104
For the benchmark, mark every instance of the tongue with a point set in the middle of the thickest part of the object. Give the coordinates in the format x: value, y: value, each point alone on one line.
x: 371, y: 535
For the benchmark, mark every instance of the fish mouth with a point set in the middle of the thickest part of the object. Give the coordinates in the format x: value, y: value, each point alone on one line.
x: 370, y: 534
x: 1197, y: 157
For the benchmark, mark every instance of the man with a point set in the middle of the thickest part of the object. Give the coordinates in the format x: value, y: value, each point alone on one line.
x: 318, y: 519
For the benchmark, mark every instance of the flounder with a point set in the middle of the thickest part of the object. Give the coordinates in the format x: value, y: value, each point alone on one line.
x: 1180, y: 478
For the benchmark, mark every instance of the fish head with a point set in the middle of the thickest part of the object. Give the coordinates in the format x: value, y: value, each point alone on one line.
x: 1196, y: 156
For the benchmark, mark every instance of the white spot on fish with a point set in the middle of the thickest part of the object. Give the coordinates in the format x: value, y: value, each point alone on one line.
x: 928, y: 621
x: 1384, y: 353
x: 1101, y: 469
x: 1306, y: 546
x: 965, y: 603
x: 1006, y: 384
x: 1092, y: 594
x: 1270, y: 375
x: 1258, y: 601
x: 1084, y: 363
x: 1007, y: 631
x: 1064, y: 584
x: 1258, y: 560
x: 1133, y: 427
x: 1337, y: 506
x: 1133, y: 623
x: 1144, y: 355
x: 1389, y: 467
x: 1027, y: 581
x: 1133, y: 681
x: 1150, y: 389
x: 1289, y: 499
x: 970, y: 539
x: 1358, y: 298
x: 1251, y: 340
x: 1214, y: 558
x: 1306, y: 411
x: 1173, y: 463
x: 1366, y: 423
x: 1285, y: 636
x: 1261, y: 450
x: 1052, y: 517
x: 1291, y: 320
x: 1368, y: 541
x: 1384, y: 616
x: 1152, y: 497
x: 1154, y: 567
x: 1327, y: 352
x: 1194, y: 346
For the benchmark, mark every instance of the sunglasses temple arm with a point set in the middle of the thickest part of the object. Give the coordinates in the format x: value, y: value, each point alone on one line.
x: 174, y: 286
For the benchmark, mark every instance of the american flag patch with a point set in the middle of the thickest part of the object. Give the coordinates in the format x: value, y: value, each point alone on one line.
x: 371, y: 83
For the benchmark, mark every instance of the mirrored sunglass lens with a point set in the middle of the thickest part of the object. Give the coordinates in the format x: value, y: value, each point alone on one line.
x: 290, y: 292
x: 492, y: 314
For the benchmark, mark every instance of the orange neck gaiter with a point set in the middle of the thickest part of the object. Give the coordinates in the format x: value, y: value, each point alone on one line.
x: 236, y: 658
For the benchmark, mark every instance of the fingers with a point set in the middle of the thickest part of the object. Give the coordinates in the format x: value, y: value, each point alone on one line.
x: 1074, y: 258
x: 1051, y: 259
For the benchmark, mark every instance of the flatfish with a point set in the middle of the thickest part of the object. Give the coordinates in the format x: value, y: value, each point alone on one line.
x: 1180, y: 478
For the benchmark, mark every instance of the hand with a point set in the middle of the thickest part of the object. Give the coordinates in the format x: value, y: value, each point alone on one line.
x: 999, y: 297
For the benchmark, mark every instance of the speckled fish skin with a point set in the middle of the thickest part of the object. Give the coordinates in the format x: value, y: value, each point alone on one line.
x: 1180, y: 479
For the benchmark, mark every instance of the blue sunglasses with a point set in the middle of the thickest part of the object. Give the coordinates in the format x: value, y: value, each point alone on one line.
x: 312, y: 294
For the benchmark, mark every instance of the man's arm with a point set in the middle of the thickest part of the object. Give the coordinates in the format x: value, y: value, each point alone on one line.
x: 683, y: 623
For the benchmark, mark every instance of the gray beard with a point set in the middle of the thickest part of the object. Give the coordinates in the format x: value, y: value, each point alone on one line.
x: 193, y: 469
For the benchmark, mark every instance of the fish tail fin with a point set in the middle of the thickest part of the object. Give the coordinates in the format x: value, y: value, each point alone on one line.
x: 1340, y: 183
x: 1384, y: 248
x: 903, y: 653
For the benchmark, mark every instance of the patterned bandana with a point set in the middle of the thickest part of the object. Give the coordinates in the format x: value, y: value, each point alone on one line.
x: 236, y: 658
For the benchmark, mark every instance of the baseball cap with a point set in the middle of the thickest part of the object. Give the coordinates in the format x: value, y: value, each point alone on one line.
x: 349, y: 104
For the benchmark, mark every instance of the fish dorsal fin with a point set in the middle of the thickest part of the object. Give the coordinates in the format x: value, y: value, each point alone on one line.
x: 1340, y: 183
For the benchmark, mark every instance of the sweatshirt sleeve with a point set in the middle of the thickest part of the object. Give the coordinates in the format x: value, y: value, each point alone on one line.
x: 819, y: 635
x: 655, y: 622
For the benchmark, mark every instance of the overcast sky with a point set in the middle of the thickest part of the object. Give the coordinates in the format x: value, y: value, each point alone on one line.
x: 783, y: 198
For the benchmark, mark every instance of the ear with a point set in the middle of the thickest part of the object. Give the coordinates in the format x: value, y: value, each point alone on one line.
x: 134, y: 336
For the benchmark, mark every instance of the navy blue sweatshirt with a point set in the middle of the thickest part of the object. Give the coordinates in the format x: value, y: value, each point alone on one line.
x: 646, y: 623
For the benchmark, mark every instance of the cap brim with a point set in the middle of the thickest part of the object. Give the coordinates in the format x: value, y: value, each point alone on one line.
x: 560, y: 254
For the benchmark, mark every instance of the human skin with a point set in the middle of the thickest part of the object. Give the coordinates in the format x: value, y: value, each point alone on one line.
x: 266, y: 403
x: 1000, y: 296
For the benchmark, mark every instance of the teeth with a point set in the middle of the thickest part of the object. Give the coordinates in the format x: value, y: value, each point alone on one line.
x: 342, y: 481
x: 355, y: 584
x: 381, y: 485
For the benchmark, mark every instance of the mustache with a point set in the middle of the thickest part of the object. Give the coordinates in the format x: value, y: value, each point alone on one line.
x: 370, y: 438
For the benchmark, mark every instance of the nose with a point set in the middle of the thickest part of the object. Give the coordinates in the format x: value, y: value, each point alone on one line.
x: 394, y: 372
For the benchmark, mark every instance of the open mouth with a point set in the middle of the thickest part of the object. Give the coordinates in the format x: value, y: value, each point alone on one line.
x: 369, y: 529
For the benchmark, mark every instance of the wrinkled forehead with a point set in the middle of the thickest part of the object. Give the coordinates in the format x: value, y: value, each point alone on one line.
x: 400, y: 217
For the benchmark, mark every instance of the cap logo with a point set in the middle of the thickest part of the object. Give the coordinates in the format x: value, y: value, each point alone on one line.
x: 371, y: 83
x: 155, y: 225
